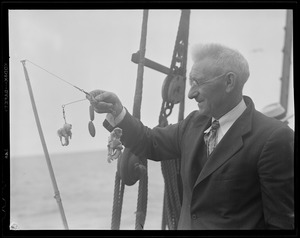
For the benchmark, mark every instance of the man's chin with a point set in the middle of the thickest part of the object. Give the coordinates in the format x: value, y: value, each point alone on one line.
x: 203, y: 109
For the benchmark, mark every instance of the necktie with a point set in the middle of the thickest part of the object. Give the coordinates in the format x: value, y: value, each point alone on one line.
x: 211, y: 137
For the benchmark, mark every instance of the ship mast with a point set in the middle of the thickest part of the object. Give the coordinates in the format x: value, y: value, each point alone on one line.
x: 286, y: 66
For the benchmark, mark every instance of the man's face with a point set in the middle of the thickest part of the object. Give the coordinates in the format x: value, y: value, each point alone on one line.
x: 208, y: 89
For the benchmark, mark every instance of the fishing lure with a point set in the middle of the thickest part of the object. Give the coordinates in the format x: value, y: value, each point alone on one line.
x: 114, y: 146
x: 65, y: 131
x: 91, y: 126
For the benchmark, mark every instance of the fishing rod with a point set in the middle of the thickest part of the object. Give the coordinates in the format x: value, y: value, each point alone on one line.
x: 61, y: 132
x: 38, y: 123
x: 90, y: 98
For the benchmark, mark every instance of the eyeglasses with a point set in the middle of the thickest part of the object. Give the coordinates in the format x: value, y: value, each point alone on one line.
x: 195, y: 82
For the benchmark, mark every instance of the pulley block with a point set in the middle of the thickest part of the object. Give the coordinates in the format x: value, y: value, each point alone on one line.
x: 173, y: 88
x: 130, y: 168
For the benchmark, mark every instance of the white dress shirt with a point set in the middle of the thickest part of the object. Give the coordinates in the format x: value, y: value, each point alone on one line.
x: 228, y: 119
x: 115, y: 121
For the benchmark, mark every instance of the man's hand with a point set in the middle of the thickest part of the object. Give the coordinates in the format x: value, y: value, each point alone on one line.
x: 105, y: 102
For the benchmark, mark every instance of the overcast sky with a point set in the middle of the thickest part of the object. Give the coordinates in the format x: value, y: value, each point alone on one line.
x: 92, y: 49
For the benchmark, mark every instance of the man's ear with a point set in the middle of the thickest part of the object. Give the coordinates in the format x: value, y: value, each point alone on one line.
x: 231, y: 81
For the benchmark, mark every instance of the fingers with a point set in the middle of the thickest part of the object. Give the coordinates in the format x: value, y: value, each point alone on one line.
x: 106, y: 97
x: 93, y: 94
x: 100, y: 95
x: 96, y: 92
x: 105, y: 102
x: 102, y: 107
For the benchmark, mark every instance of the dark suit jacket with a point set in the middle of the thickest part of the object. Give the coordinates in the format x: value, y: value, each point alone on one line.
x: 246, y: 183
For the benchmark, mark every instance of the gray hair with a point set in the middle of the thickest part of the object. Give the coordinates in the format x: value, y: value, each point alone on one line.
x: 223, y: 59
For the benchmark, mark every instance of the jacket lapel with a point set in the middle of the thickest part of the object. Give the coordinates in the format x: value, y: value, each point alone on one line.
x: 197, y: 131
x: 195, y: 134
x: 230, y: 144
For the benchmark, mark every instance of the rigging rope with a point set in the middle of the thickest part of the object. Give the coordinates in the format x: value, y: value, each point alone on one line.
x: 171, y: 168
x: 118, y: 202
x: 143, y: 181
x: 142, y: 200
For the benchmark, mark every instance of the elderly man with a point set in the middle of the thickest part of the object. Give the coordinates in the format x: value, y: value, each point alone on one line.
x: 236, y: 163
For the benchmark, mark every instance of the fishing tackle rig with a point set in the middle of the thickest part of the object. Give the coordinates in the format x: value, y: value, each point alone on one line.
x: 65, y: 130
x: 115, y: 145
x: 47, y: 157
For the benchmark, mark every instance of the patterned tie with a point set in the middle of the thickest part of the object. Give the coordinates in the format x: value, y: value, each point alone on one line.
x: 210, y: 138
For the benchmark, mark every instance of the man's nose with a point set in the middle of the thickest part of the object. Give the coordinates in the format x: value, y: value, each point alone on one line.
x: 193, y: 93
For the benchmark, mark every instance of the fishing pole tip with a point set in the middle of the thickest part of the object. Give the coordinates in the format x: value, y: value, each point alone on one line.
x: 90, y: 97
x: 88, y: 94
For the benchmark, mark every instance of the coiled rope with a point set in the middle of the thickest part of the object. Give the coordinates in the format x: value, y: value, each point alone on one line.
x: 142, y: 200
x: 118, y: 202
x: 172, y: 202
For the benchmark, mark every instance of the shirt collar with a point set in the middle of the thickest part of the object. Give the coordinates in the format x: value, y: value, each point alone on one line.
x: 230, y: 117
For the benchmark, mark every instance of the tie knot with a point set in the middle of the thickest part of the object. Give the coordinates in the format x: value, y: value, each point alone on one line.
x: 215, y: 125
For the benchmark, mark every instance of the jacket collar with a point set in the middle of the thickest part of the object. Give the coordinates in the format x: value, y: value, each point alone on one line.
x: 231, y: 143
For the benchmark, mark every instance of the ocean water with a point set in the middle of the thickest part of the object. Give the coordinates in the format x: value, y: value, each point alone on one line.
x: 86, y: 183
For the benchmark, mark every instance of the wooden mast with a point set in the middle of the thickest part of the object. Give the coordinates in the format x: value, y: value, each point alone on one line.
x: 285, y: 78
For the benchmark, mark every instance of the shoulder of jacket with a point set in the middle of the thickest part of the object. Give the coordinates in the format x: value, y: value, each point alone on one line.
x: 268, y: 123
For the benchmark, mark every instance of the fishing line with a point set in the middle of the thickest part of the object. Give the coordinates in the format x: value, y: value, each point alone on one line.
x: 65, y: 131
x: 50, y: 168
x: 63, y: 107
x: 73, y: 102
x: 80, y: 89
